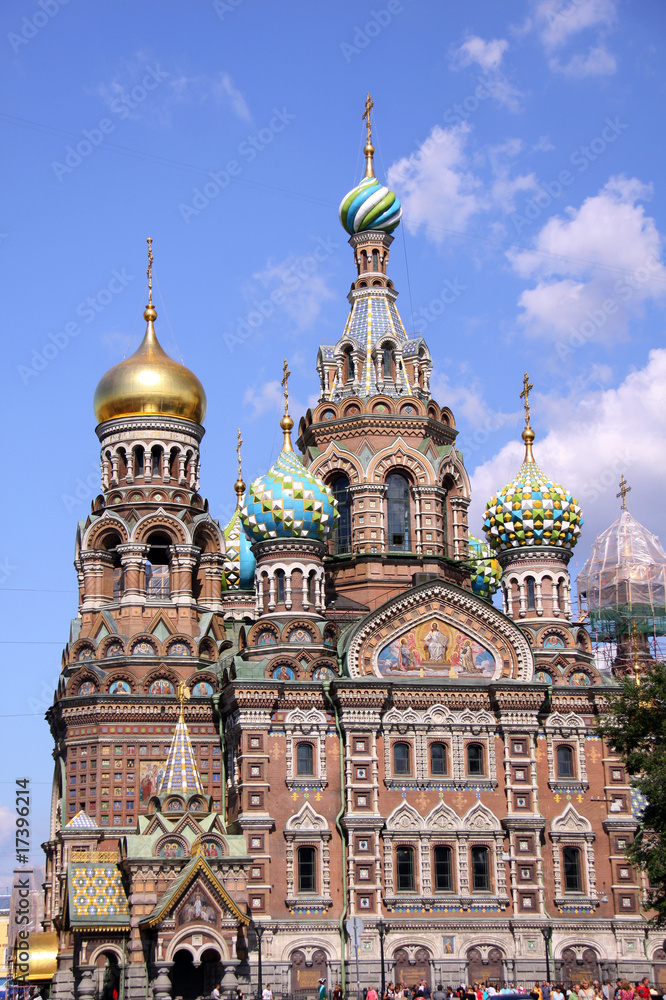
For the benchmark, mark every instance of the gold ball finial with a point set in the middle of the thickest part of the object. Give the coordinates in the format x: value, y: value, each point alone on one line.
x: 286, y: 423
x: 150, y: 313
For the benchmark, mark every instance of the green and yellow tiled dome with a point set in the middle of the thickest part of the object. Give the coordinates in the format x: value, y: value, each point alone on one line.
x: 532, y: 510
x: 486, y: 570
x: 288, y: 502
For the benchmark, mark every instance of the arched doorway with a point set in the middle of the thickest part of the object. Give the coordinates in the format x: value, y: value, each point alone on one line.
x: 486, y: 973
x: 659, y: 966
x: 575, y: 970
x: 304, y: 977
x: 108, y: 975
x: 187, y: 980
x: 411, y: 972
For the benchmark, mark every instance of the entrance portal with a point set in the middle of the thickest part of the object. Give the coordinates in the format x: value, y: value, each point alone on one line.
x: 577, y: 970
x: 410, y: 973
x: 189, y: 980
x: 486, y: 973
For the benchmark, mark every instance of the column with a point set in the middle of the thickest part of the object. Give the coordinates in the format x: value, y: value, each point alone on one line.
x: 93, y: 562
x: 133, y: 561
x: 212, y: 564
x: 537, y: 596
x: 459, y: 507
x: 183, y: 561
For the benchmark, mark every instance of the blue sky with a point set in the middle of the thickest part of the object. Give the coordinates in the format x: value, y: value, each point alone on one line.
x: 526, y: 143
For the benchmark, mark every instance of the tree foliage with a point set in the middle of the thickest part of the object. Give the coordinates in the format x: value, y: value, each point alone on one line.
x: 635, y: 727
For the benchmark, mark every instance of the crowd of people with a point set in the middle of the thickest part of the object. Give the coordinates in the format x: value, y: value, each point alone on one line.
x: 586, y: 990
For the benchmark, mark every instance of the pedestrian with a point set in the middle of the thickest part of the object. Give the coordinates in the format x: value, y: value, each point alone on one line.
x: 372, y: 994
x: 322, y: 994
x: 337, y: 992
x: 626, y: 990
x: 267, y: 992
x: 216, y: 992
x: 643, y: 989
x: 439, y: 993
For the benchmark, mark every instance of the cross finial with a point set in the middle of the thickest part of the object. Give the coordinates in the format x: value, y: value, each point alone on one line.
x: 183, y: 696
x: 369, y: 149
x: 525, y: 394
x: 239, y: 485
x: 285, y: 385
x: 624, y: 489
x: 149, y: 270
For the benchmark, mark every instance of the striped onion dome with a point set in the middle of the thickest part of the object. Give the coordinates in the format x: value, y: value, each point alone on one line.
x: 370, y: 205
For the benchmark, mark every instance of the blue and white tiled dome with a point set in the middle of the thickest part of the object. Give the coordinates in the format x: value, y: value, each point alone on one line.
x: 288, y: 502
x: 239, y: 562
x: 370, y: 205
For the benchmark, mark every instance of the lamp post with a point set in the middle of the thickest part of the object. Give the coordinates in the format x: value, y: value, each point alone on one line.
x: 382, y: 930
x: 547, y: 932
x: 259, y: 931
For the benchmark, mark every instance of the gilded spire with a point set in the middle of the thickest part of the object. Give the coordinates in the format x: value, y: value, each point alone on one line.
x: 528, y: 433
x: 181, y: 775
x: 239, y: 485
x: 286, y: 423
x: 369, y: 149
x: 150, y: 314
x: 624, y: 489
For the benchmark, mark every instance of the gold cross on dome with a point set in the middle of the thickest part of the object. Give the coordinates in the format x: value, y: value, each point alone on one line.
x: 149, y: 270
x: 285, y: 384
x: 525, y: 394
x: 624, y: 489
x: 369, y: 105
x: 238, y: 449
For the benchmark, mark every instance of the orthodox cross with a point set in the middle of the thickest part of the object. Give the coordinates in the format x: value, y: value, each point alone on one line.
x: 525, y: 394
x: 285, y: 384
x: 149, y: 271
x: 238, y: 449
x: 369, y: 105
x: 624, y: 489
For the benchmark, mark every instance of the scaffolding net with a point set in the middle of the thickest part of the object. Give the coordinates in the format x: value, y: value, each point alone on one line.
x: 624, y: 582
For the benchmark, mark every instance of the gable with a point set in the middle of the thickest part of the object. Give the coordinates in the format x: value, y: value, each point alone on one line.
x: 196, y: 895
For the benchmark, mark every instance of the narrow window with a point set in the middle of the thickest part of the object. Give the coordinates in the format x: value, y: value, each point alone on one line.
x: 280, y: 586
x: 155, y: 457
x: 375, y: 260
x: 480, y: 869
x: 401, y: 759
x: 304, y: 759
x: 438, y: 758
x: 157, y: 581
x: 404, y: 863
x: 138, y: 461
x: 349, y: 358
x: 342, y: 531
x: 475, y: 759
x: 572, y: 875
x: 118, y: 582
x: 443, y: 870
x: 531, y: 593
x: 387, y: 363
x: 565, y: 763
x: 306, y: 869
x: 398, y: 515
x: 312, y: 588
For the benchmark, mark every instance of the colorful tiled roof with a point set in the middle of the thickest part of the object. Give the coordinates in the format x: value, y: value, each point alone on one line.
x: 374, y: 315
x: 181, y: 776
x: 96, y: 895
x: 487, y: 571
x: 370, y: 205
x: 81, y: 821
x: 532, y: 510
x: 239, y: 562
x: 288, y: 502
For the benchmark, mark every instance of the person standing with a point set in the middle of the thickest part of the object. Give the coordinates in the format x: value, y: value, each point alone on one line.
x: 267, y: 992
x: 371, y: 994
x: 643, y: 989
x: 322, y: 994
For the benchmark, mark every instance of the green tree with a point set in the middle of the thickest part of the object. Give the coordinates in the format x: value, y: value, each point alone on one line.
x: 635, y: 727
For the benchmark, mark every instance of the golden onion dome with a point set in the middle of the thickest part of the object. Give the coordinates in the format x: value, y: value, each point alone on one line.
x: 150, y: 383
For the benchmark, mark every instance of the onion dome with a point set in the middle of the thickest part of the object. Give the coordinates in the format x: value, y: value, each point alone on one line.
x: 239, y: 561
x: 288, y: 501
x: 150, y: 382
x: 532, y: 509
x: 370, y: 205
x: 486, y: 571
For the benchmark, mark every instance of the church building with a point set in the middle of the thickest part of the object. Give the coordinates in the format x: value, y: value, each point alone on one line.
x: 316, y: 712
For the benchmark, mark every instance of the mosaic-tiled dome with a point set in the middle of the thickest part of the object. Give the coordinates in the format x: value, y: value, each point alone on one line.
x: 239, y: 562
x: 532, y: 510
x: 486, y: 570
x: 370, y: 205
x: 288, y: 502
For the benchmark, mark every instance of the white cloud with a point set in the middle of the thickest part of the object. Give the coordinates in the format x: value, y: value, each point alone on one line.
x: 7, y: 823
x: 303, y: 290
x: 436, y: 188
x: 542, y: 145
x: 559, y: 20
x: 610, y: 229
x: 487, y: 55
x: 505, y: 187
x: 597, y: 62
x: 596, y: 437
x: 268, y: 397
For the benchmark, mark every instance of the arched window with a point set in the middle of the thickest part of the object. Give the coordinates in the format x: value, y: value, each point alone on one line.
x: 404, y: 869
x: 573, y: 881
x: 480, y: 869
x: 304, y: 758
x: 364, y: 260
x: 438, y: 758
x: 475, y: 759
x: 118, y: 582
x: 155, y: 456
x: 401, y: 758
x: 375, y: 260
x: 397, y: 502
x: 530, y: 588
x: 565, y: 762
x: 307, y: 872
x: 387, y: 363
x: 559, y: 590
x: 443, y: 869
x: 279, y: 586
x: 312, y: 588
x: 138, y: 461
x: 342, y: 532
x: 157, y: 566
x: 349, y: 362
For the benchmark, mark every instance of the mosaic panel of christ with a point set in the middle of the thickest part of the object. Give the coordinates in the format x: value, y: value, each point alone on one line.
x: 434, y: 648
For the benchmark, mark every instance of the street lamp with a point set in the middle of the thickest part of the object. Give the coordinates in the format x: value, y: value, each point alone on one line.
x: 382, y: 930
x: 259, y: 931
x: 547, y: 932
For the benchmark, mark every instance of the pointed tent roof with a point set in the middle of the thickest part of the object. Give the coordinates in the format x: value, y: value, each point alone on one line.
x: 81, y: 821
x: 180, y: 774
